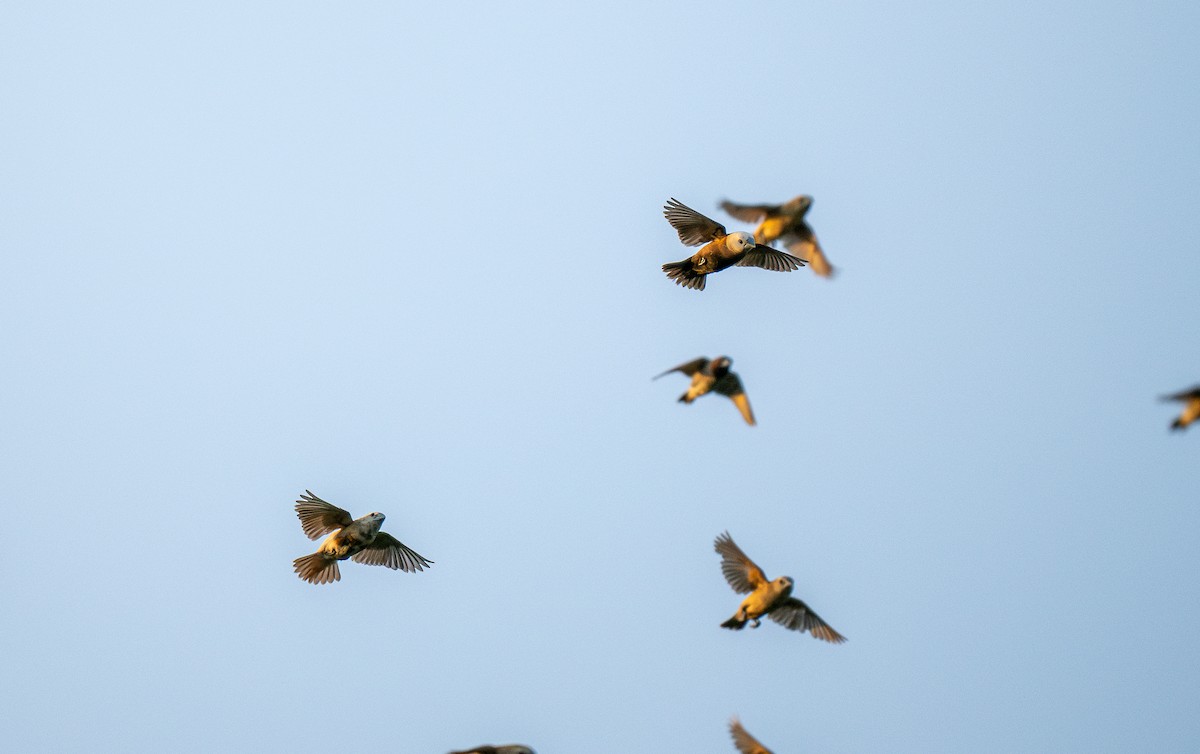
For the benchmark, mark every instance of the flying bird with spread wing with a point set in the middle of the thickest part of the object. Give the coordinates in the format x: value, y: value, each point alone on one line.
x: 714, y: 377
x: 770, y: 598
x: 721, y: 249
x: 506, y: 749
x: 784, y: 222
x: 1191, y: 406
x: 745, y: 743
x: 356, y: 538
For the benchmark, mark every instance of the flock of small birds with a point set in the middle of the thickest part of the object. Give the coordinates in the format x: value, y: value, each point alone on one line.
x: 363, y: 540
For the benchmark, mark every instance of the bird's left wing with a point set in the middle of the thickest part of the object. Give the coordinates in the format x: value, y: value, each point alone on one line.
x: 731, y: 387
x: 745, y: 743
x: 693, y: 227
x: 770, y: 259
x: 740, y: 571
x: 749, y: 213
x: 388, y: 551
x: 688, y: 367
x: 797, y: 616
x: 1183, y: 395
x: 318, y: 517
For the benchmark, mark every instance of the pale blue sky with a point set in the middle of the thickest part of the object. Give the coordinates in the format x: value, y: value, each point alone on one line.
x: 407, y: 256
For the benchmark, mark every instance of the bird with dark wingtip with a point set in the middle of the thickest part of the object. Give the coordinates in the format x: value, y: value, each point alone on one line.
x: 721, y: 249
x: 770, y: 598
x: 785, y: 222
x: 714, y: 376
x: 506, y: 749
x: 745, y: 743
x: 1190, y: 399
x: 358, y: 539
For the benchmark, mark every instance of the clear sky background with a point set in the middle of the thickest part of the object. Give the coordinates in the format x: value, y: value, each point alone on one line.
x: 407, y: 256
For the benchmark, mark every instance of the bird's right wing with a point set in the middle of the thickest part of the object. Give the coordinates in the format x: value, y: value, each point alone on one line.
x: 797, y: 616
x: 688, y: 367
x: 740, y: 571
x: 731, y: 387
x: 318, y: 517
x: 693, y: 227
x: 745, y: 743
x: 770, y: 259
x: 386, y: 550
x: 750, y: 213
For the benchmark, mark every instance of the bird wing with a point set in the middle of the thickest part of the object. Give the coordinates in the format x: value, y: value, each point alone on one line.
x: 386, y: 550
x: 750, y: 213
x: 1184, y: 395
x: 318, y: 517
x: 797, y: 616
x: 770, y: 259
x: 731, y: 386
x: 808, y: 249
x: 688, y: 367
x: 740, y: 571
x: 694, y: 228
x: 745, y: 743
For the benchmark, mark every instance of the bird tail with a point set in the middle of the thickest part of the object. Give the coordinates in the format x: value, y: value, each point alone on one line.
x: 735, y: 623
x: 317, y: 569
x: 682, y: 274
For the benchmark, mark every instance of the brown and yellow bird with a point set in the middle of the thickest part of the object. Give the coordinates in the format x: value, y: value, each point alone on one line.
x: 1191, y: 406
x: 714, y: 376
x: 770, y: 598
x: 745, y: 743
x: 721, y: 249
x: 506, y: 749
x: 784, y: 222
x: 358, y: 539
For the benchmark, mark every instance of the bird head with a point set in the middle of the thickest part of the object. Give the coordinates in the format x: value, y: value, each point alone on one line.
x: 785, y: 584
x: 720, y: 366
x: 798, y: 206
x: 739, y: 242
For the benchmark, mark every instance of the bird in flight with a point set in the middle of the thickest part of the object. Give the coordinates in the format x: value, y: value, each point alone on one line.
x: 506, y: 749
x: 1191, y: 407
x: 745, y: 743
x: 714, y: 376
x: 358, y: 539
x: 720, y: 250
x: 770, y: 598
x: 784, y: 222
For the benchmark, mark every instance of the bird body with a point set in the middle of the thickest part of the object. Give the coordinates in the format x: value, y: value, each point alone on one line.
x: 359, y: 539
x: 714, y: 376
x: 772, y: 598
x: 785, y: 222
x: 719, y: 249
x: 1191, y: 407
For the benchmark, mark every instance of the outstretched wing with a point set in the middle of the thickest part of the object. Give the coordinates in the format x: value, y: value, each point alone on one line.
x: 688, y: 367
x: 770, y: 259
x: 745, y: 743
x: 740, y: 571
x: 731, y: 387
x: 318, y: 517
x: 750, y: 213
x: 1190, y: 394
x: 388, y: 551
x: 693, y: 227
x: 797, y: 616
